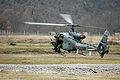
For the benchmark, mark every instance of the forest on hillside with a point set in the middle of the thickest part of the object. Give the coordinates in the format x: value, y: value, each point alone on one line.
x: 98, y: 13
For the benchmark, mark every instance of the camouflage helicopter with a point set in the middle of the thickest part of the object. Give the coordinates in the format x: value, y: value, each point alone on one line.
x: 72, y: 41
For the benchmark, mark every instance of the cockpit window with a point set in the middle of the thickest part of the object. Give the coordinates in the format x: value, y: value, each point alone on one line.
x: 61, y: 35
x: 69, y: 37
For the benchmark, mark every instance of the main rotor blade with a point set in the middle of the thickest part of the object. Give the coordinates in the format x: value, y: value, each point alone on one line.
x: 92, y: 27
x: 67, y: 17
x: 46, y: 24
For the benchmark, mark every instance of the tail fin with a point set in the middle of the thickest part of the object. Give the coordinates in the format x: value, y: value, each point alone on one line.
x: 102, y: 47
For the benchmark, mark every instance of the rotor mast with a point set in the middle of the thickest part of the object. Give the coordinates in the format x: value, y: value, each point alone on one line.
x: 72, y: 26
x: 72, y: 29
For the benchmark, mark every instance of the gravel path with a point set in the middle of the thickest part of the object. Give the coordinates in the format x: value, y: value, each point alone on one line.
x: 75, y: 69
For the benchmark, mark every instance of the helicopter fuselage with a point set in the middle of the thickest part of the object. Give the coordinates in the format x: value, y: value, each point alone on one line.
x: 72, y: 41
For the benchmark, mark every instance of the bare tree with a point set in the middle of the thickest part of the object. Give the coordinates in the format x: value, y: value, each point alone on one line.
x: 4, y: 23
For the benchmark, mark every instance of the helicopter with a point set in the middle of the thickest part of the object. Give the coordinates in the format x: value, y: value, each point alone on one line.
x: 72, y: 41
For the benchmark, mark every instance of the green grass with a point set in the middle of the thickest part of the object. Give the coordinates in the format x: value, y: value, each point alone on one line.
x: 5, y: 75
x: 42, y: 53
x: 114, y: 49
x: 23, y: 47
x: 39, y: 51
x: 40, y: 47
x: 57, y: 59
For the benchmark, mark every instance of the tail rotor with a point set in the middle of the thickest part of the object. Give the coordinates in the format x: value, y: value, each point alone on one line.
x: 102, y: 47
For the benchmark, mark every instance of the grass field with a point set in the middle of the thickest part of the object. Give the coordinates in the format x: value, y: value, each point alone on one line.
x: 27, y: 53
x: 5, y: 75
x: 57, y: 59
x: 45, y: 38
x: 34, y: 49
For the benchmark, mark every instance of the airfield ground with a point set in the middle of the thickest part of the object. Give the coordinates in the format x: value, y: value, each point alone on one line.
x: 60, y: 71
x: 33, y: 49
x: 7, y: 75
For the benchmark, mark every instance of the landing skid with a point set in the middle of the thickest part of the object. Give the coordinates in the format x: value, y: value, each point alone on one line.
x: 77, y: 52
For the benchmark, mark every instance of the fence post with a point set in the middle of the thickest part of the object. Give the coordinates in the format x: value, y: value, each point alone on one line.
x: 24, y: 32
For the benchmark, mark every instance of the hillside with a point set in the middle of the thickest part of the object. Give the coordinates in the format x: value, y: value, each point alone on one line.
x: 98, y: 13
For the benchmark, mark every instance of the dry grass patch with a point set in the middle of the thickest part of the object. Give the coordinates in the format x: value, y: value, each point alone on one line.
x: 57, y: 59
x: 45, y: 38
x: 25, y: 38
x: 5, y: 75
x: 96, y: 39
x: 42, y: 53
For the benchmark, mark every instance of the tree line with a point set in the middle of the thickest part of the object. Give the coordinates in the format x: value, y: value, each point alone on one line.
x: 98, y: 13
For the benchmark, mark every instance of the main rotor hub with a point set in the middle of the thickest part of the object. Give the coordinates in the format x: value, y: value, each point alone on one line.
x: 72, y: 26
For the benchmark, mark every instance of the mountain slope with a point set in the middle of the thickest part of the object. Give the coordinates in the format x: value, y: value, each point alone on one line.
x: 98, y: 13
